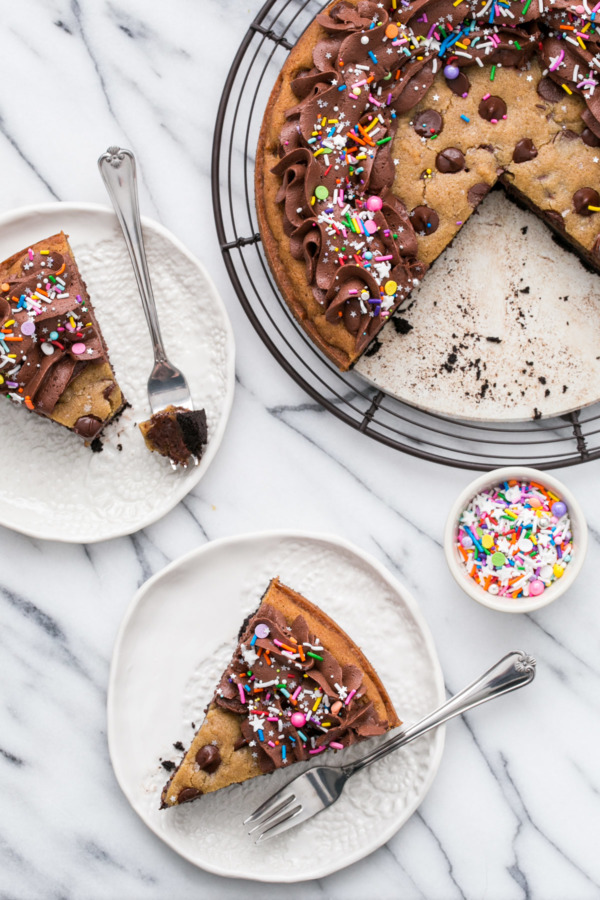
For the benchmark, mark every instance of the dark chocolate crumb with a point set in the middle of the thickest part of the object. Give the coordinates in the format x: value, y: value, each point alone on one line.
x: 547, y: 392
x: 524, y: 229
x: 97, y: 446
x: 119, y: 447
x: 494, y: 340
x: 167, y: 764
x: 524, y: 290
x: 401, y: 325
x: 536, y: 413
x: 179, y: 746
x: 542, y: 379
x: 565, y: 388
x: 373, y: 348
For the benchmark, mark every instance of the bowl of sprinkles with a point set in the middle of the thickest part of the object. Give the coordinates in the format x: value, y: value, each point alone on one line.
x: 515, y: 539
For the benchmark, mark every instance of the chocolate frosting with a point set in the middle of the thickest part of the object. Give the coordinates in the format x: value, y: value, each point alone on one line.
x: 48, y: 333
x: 374, y: 64
x: 282, y: 689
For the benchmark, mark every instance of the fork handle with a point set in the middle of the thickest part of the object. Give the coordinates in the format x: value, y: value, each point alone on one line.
x: 513, y: 671
x: 117, y: 167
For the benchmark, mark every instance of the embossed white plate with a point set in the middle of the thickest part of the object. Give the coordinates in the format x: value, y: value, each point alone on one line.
x: 175, y: 640
x: 58, y: 488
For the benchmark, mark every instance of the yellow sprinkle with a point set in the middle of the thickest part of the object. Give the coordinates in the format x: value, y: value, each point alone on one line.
x: 12, y: 355
x: 72, y: 322
x: 8, y: 324
x: 488, y: 541
x: 390, y: 287
x: 312, y: 201
x: 317, y: 704
x: 1, y: 380
x: 585, y: 27
x: 558, y: 570
x: 594, y: 208
x: 321, y: 150
x: 362, y: 156
x: 462, y: 46
x: 581, y: 42
x: 332, y: 121
x: 567, y: 89
x: 372, y: 125
x: 323, y: 121
x: 550, y: 494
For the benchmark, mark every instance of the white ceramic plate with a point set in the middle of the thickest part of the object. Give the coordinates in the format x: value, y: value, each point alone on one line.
x: 58, y: 488
x: 177, y: 637
x: 504, y: 324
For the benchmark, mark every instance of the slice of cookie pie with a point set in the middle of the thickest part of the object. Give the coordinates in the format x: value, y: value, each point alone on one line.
x: 53, y: 358
x: 297, y: 687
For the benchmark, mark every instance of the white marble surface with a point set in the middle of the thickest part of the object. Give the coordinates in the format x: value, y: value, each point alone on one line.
x: 515, y: 809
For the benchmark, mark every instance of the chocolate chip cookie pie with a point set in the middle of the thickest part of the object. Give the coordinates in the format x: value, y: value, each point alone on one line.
x: 53, y: 359
x: 296, y: 687
x: 388, y: 125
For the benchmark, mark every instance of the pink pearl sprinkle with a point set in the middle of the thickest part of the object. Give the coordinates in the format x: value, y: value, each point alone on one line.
x: 78, y: 349
x: 374, y: 203
x: 536, y: 588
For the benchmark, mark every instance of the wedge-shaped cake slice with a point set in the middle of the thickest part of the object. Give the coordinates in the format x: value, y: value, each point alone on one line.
x: 53, y: 358
x: 297, y: 687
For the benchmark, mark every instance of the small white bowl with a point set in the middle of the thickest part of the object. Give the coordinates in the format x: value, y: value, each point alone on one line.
x: 456, y: 562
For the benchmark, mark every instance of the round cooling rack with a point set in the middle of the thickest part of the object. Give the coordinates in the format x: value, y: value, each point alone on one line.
x: 545, y: 443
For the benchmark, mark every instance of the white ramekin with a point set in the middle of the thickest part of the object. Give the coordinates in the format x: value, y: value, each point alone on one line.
x: 456, y: 562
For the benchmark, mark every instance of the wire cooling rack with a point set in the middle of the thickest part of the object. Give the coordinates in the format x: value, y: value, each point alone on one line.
x: 546, y: 443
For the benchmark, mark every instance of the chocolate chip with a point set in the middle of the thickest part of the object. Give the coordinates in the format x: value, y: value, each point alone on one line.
x: 555, y: 219
x: 450, y: 160
x: 209, y: 758
x: 459, y: 85
x: 596, y: 246
x: 87, y: 426
x: 524, y: 151
x: 549, y: 90
x: 425, y: 220
x: 493, y: 109
x: 428, y: 122
x: 188, y: 794
x: 476, y: 194
x: 588, y: 137
x: 583, y: 199
x: 241, y: 742
x: 567, y: 135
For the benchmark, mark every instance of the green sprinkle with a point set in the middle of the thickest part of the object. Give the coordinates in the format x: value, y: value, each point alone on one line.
x: 526, y: 7
x: 321, y: 192
x: 384, y: 140
x: 314, y: 655
x: 492, y: 73
x: 517, y: 45
x: 433, y: 137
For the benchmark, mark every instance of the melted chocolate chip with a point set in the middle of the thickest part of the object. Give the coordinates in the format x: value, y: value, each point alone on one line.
x: 583, y: 199
x: 588, y: 137
x: 555, y: 219
x: 188, y: 794
x: 460, y: 85
x: 476, y: 194
x: 241, y: 742
x: 524, y: 151
x: 549, y: 90
x: 428, y: 122
x: 209, y: 758
x: 87, y: 426
x: 493, y: 109
x: 450, y: 160
x: 425, y: 220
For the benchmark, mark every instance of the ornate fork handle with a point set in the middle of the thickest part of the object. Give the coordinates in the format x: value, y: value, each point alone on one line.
x: 117, y: 167
x: 513, y: 671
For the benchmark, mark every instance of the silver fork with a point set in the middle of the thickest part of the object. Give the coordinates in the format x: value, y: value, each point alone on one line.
x: 166, y: 385
x: 318, y: 788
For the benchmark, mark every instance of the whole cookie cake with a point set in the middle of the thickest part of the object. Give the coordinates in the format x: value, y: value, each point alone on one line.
x: 388, y: 125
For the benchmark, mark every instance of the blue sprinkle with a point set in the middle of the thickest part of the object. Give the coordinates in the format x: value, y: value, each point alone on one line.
x: 465, y: 118
x: 261, y: 734
x: 342, y: 87
x: 283, y: 751
x: 253, y: 641
x: 303, y: 736
x: 373, y: 57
